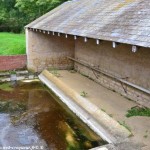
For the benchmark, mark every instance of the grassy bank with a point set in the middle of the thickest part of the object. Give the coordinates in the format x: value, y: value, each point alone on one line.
x: 12, y: 44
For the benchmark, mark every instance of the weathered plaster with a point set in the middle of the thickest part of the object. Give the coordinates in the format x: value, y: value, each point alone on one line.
x: 47, y: 51
x: 51, y: 51
x: 120, y: 62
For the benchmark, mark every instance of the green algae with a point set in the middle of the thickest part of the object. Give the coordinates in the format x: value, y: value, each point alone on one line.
x: 6, y: 86
x: 11, y: 107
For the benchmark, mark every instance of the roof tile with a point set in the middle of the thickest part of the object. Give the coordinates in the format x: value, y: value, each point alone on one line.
x: 124, y: 21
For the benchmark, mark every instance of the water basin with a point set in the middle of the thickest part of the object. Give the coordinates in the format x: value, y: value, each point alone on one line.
x: 31, y: 115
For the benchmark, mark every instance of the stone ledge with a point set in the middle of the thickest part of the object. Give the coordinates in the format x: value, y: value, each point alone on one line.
x: 98, y: 120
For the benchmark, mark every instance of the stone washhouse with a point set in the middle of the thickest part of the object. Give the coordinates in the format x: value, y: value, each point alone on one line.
x: 108, y: 41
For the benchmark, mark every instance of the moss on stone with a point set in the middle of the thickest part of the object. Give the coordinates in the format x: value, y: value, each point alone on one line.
x: 6, y: 86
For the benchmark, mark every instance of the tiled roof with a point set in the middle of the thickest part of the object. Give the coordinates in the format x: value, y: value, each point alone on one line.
x: 124, y: 21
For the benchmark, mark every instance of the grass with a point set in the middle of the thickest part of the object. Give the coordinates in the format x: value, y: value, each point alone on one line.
x: 138, y: 111
x: 12, y: 44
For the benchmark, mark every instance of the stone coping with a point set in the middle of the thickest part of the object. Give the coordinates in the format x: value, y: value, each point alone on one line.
x: 105, y: 126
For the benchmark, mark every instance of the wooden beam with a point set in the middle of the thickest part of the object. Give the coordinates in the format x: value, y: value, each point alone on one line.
x: 134, y: 48
x: 110, y: 75
x: 85, y: 39
x: 75, y: 37
x: 115, y: 44
x: 97, y: 41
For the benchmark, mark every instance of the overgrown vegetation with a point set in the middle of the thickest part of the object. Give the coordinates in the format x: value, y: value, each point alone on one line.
x: 125, y: 125
x: 11, y: 107
x: 103, y: 110
x: 13, y: 72
x: 138, y: 111
x: 55, y: 72
x: 12, y: 44
x: 15, y: 14
x: 146, y: 134
x: 6, y: 86
x: 83, y: 94
x: 72, y: 71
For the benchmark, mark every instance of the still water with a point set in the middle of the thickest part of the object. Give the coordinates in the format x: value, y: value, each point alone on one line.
x: 32, y: 116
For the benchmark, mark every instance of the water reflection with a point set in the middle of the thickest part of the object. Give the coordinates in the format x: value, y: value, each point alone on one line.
x: 34, y: 117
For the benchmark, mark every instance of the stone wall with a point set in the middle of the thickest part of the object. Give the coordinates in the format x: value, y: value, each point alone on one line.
x: 12, y: 62
x: 120, y: 62
x: 48, y: 51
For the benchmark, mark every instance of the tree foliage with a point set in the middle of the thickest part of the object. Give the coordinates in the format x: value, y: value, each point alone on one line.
x: 15, y: 14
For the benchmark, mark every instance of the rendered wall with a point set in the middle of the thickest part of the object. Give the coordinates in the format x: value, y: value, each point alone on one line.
x: 48, y: 51
x: 120, y: 62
